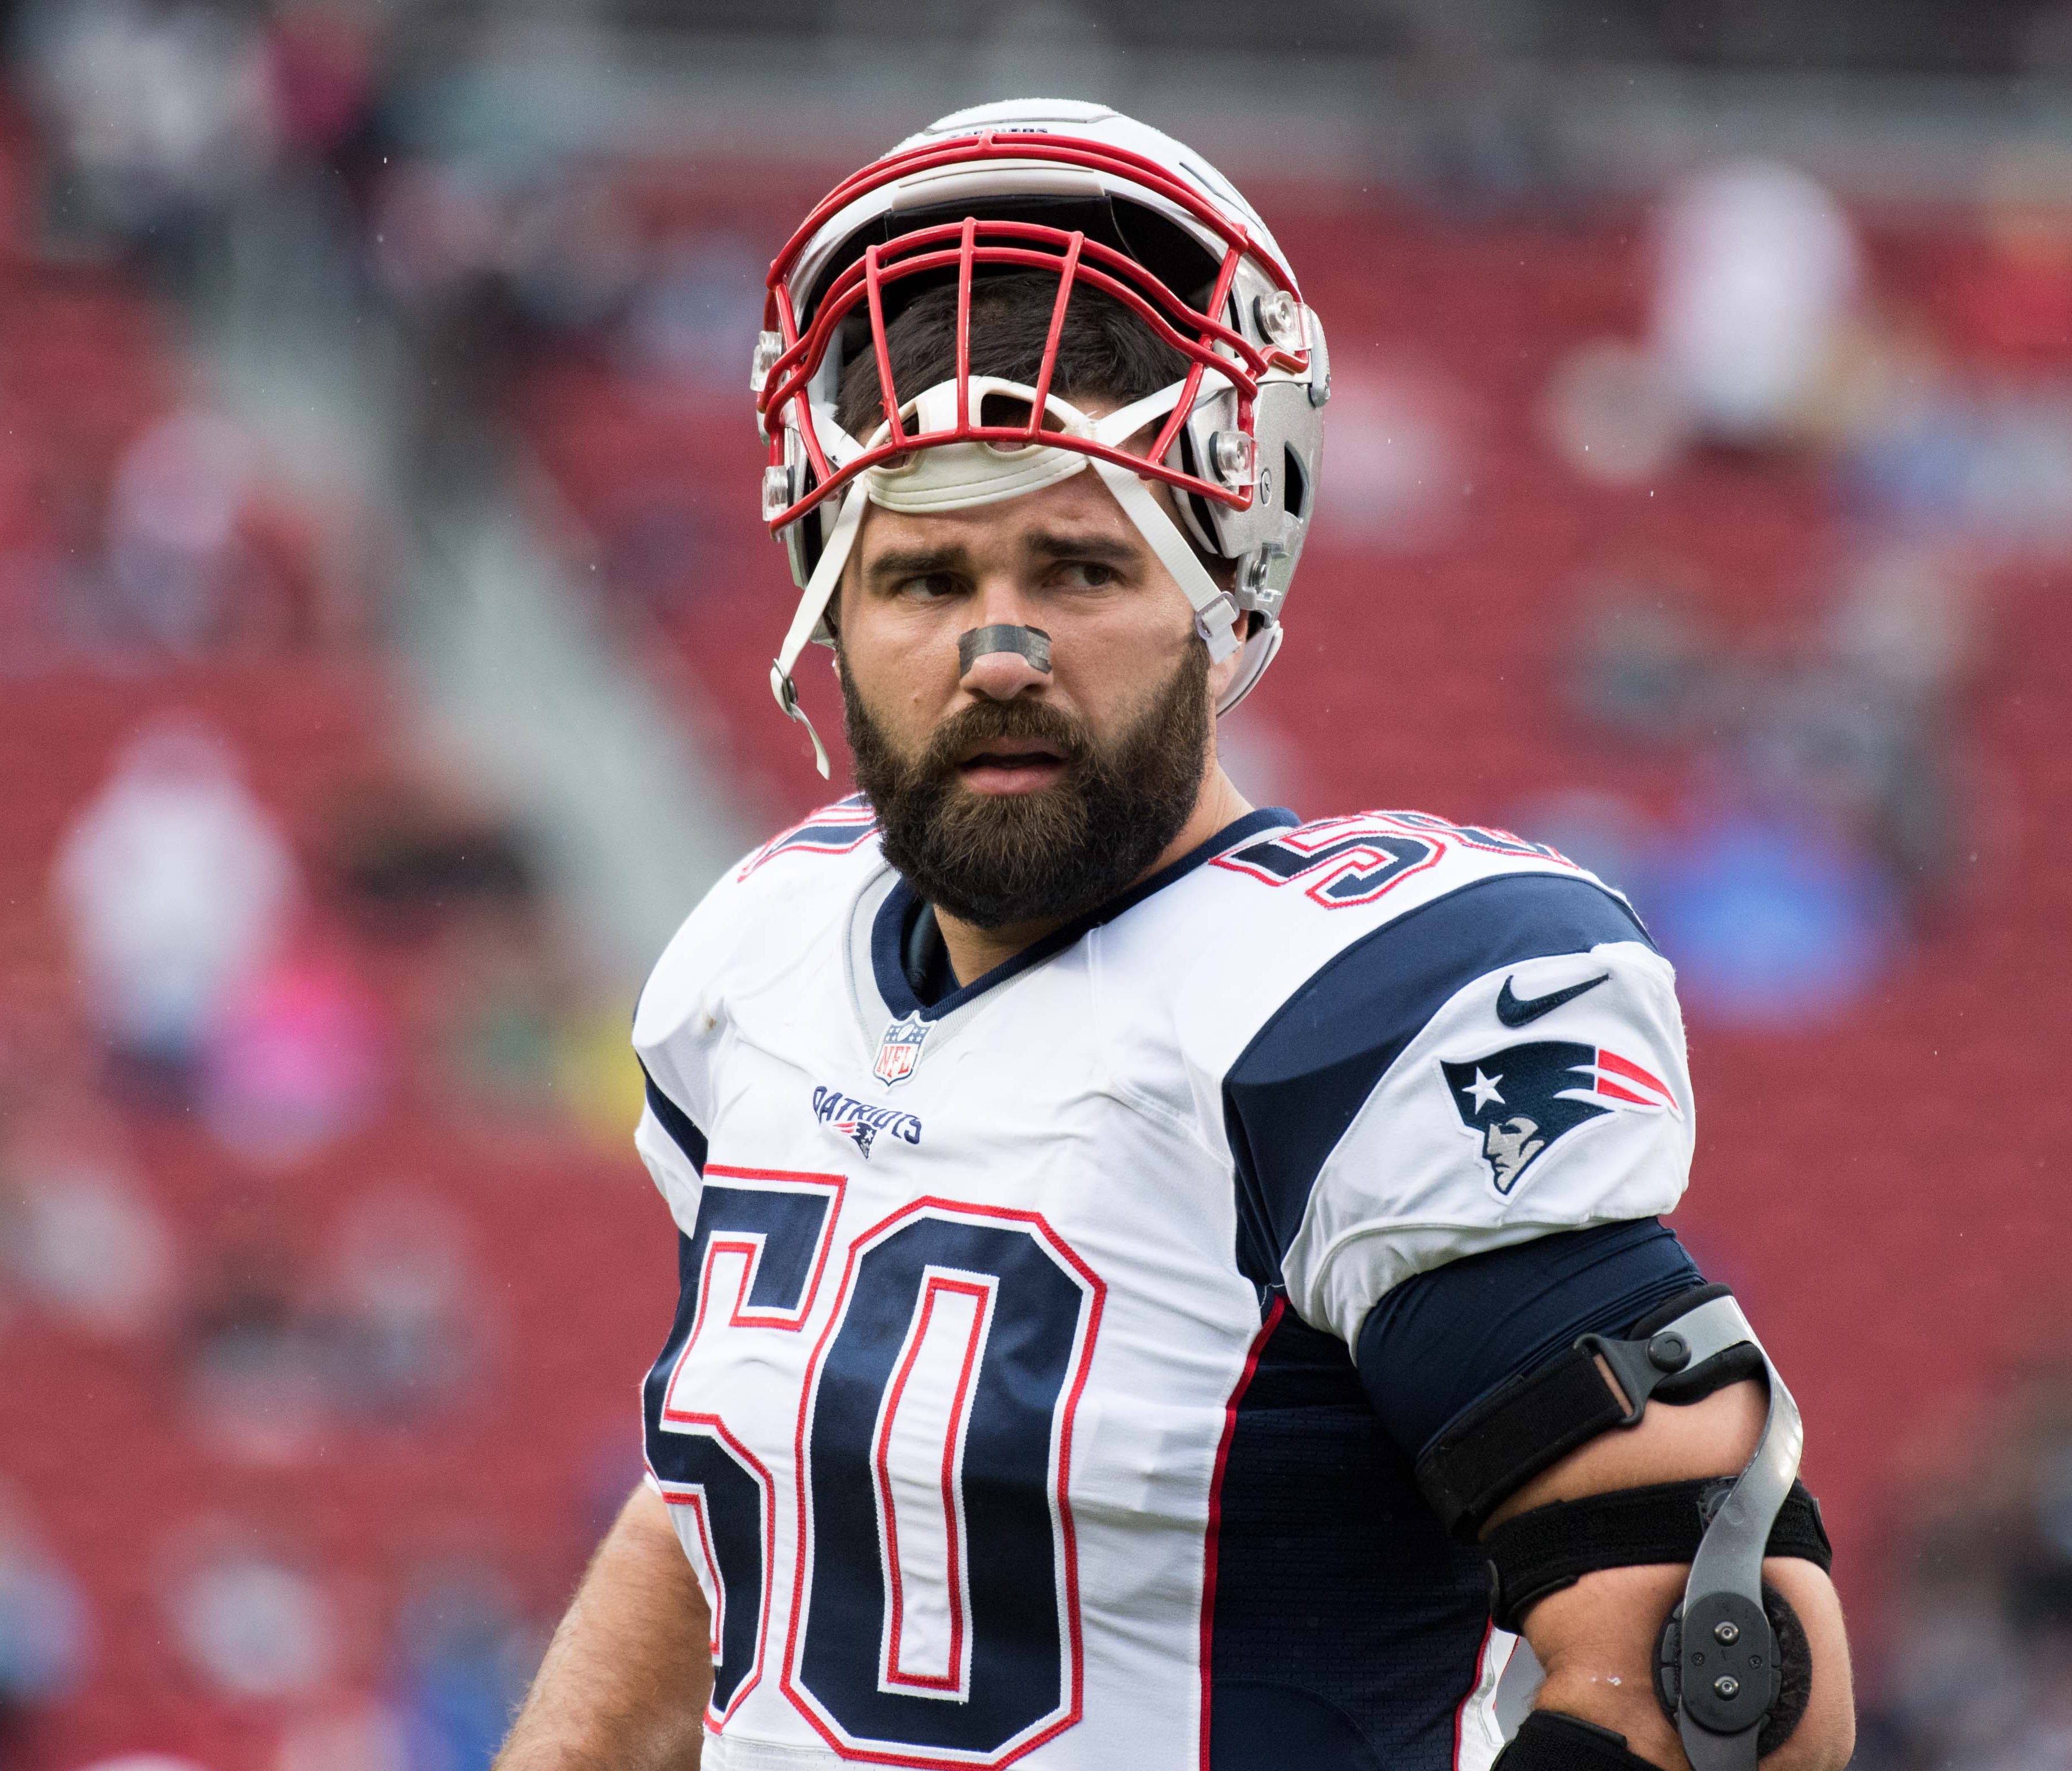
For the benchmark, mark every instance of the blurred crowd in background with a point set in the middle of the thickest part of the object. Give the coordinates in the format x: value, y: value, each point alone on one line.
x: 314, y: 1110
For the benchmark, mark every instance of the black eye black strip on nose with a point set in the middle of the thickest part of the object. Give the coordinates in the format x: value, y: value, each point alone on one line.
x: 1032, y: 644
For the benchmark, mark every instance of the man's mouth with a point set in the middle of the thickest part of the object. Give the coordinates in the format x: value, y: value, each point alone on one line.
x: 1012, y: 765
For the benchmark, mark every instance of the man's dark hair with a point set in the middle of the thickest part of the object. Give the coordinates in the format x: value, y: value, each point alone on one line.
x: 1103, y: 350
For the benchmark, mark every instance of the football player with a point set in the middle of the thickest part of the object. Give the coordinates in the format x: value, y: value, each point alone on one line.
x: 1165, y: 1285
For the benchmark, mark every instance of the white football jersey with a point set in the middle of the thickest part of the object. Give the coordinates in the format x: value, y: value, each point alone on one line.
x: 1008, y: 1414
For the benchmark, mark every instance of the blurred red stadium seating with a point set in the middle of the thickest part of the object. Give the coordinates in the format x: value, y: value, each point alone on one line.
x: 100, y: 1438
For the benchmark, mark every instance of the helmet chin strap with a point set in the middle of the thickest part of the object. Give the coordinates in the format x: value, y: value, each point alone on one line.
x: 963, y: 476
x: 812, y: 605
x: 1216, y: 615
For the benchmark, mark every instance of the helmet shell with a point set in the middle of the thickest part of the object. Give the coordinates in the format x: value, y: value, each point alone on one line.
x: 1244, y: 462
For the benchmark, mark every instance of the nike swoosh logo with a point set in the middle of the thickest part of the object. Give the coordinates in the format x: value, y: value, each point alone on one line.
x: 1515, y: 1011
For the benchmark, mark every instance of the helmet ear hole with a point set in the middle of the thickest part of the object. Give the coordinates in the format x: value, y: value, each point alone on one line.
x: 1295, y: 483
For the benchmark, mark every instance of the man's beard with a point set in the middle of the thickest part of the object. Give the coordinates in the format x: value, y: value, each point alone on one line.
x: 992, y: 859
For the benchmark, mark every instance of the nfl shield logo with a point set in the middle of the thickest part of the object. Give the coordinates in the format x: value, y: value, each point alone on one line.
x: 900, y: 1049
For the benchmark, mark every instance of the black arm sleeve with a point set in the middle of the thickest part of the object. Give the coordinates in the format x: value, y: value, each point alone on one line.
x: 1438, y: 1343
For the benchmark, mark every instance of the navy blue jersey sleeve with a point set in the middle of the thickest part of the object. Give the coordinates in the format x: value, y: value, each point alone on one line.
x: 1501, y: 1062
x: 1439, y: 1343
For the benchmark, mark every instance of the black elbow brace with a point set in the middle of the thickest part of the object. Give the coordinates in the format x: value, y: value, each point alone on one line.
x: 1550, y: 1547
x: 1554, y: 1547
x: 1732, y: 1665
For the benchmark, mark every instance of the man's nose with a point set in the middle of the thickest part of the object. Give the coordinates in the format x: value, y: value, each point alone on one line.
x: 997, y: 673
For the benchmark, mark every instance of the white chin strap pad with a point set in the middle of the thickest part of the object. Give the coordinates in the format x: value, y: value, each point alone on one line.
x: 963, y: 475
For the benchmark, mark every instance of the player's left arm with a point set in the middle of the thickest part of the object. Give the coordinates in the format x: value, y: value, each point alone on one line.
x: 1594, y: 1416
x: 1596, y: 1639
x: 1453, y: 1145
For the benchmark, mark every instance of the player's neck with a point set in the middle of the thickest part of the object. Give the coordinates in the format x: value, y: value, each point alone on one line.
x: 974, y: 952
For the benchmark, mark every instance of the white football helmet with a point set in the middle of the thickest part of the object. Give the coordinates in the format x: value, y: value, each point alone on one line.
x: 1105, y: 202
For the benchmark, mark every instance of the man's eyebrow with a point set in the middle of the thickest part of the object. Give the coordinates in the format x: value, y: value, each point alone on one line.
x: 913, y: 562
x: 916, y: 562
x: 1058, y: 545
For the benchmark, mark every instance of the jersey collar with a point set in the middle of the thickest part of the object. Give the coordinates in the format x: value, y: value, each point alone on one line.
x: 888, y: 927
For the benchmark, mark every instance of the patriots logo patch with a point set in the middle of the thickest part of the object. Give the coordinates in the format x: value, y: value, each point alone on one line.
x: 1520, y: 1101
